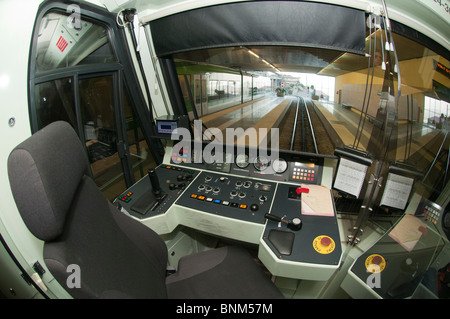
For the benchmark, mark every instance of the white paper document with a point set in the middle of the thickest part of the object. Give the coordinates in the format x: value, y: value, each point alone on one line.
x: 318, y: 201
x: 397, y: 190
x: 350, y: 177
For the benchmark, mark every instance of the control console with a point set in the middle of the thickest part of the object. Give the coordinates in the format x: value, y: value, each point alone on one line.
x: 155, y: 193
x: 241, y: 198
x: 281, y: 205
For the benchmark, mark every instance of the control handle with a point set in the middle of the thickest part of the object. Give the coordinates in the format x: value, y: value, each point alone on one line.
x: 294, y: 224
x: 156, y: 188
x: 275, y: 218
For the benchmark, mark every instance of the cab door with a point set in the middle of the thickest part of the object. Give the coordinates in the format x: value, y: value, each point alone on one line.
x: 83, y: 75
x: 103, y: 133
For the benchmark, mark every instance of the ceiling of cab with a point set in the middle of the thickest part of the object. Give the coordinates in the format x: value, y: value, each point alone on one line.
x: 250, y: 57
x: 299, y: 59
x: 277, y: 36
x: 264, y: 58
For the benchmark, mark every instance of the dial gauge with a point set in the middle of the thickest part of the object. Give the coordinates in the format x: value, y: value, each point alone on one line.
x: 242, y: 160
x: 279, y: 165
x: 261, y: 163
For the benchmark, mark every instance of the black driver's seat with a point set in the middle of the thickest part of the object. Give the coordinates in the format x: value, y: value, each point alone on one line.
x: 118, y: 257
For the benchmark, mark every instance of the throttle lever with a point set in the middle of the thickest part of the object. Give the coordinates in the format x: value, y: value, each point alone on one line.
x: 156, y: 188
x: 294, y: 224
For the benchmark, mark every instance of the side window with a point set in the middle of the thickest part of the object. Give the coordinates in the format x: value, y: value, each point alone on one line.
x: 54, y: 100
x: 76, y: 76
x: 61, y: 44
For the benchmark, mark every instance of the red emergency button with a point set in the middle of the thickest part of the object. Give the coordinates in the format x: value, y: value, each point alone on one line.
x: 325, y: 241
x: 377, y: 260
x: 300, y: 190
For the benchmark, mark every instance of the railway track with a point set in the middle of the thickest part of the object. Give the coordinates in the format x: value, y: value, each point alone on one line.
x: 301, y: 130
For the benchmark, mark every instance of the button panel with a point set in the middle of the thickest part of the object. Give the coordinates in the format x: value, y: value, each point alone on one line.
x: 235, y: 197
x: 431, y: 211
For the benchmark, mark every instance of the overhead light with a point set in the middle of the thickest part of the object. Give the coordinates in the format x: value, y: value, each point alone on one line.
x: 263, y: 60
x: 253, y: 53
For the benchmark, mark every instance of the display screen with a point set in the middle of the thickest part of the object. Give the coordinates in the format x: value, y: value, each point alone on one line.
x: 166, y: 127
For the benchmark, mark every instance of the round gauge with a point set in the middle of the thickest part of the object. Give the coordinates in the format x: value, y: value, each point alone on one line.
x: 446, y: 220
x: 242, y: 160
x: 261, y: 163
x: 279, y: 166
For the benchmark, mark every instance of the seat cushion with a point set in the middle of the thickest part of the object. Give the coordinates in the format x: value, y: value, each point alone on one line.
x: 223, y: 273
x: 118, y: 257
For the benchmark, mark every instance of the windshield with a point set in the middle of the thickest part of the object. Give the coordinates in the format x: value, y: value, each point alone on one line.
x: 341, y: 99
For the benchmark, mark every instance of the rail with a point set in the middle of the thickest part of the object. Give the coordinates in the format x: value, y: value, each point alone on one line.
x: 294, y: 129
x: 303, y: 113
x: 313, y: 136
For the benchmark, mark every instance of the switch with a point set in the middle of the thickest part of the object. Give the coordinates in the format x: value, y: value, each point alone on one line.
x: 325, y: 241
x: 300, y: 190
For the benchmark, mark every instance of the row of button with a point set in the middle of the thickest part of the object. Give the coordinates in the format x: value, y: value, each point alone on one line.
x: 304, y: 178
x: 126, y: 198
x: 216, y: 190
x: 303, y: 170
x: 218, y: 201
x: 175, y: 168
x: 303, y: 174
x: 208, y: 188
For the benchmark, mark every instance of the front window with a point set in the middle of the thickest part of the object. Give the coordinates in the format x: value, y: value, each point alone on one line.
x: 248, y: 84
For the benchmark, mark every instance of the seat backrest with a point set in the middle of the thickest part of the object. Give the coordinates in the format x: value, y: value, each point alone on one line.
x: 60, y: 204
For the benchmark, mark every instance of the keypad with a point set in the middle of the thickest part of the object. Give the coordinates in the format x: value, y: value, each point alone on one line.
x: 431, y: 213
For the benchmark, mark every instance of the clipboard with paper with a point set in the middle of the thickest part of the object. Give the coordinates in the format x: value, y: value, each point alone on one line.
x: 318, y: 201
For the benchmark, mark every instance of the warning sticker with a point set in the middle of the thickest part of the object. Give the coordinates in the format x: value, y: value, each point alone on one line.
x: 375, y: 263
x: 324, y: 244
x: 62, y: 44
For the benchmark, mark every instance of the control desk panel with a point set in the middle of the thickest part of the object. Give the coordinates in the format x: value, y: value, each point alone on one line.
x: 230, y: 196
x: 281, y: 205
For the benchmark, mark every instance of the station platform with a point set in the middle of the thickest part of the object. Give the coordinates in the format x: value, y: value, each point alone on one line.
x: 341, y: 123
x: 266, y: 113
x: 344, y: 123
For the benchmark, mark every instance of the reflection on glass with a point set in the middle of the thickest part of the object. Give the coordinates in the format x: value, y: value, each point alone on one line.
x: 54, y: 101
x: 100, y: 132
x: 396, y: 265
x: 140, y: 155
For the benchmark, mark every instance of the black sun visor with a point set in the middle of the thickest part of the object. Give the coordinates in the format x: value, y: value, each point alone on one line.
x: 261, y: 23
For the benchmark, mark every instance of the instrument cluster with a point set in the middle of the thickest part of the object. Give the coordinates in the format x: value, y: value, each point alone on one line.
x: 285, y: 166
